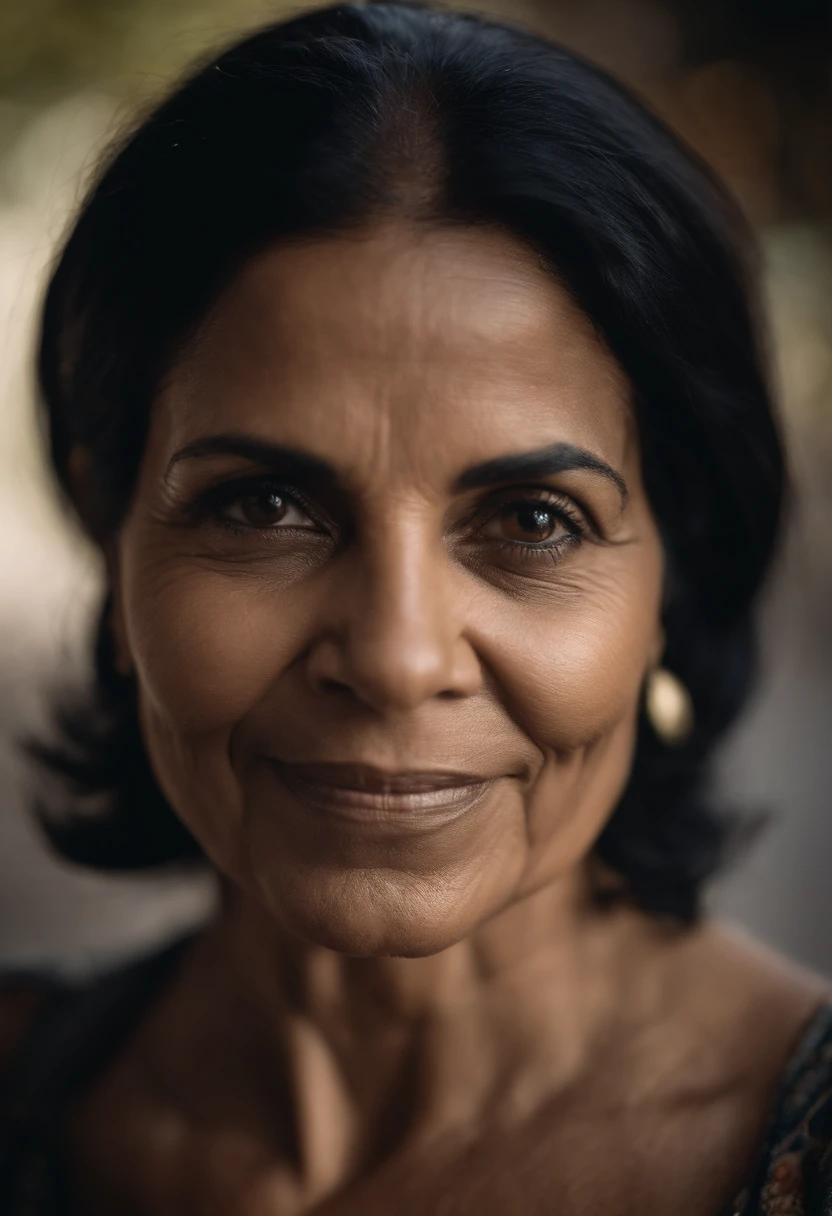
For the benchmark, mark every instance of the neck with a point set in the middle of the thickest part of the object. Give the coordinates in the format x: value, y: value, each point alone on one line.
x: 508, y: 1016
x: 321, y: 984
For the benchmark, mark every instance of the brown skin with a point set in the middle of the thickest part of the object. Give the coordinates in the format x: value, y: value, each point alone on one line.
x: 404, y: 1008
x: 394, y: 633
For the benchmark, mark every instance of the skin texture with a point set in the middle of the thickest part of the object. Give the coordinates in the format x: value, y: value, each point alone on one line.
x: 400, y: 637
x: 398, y: 1008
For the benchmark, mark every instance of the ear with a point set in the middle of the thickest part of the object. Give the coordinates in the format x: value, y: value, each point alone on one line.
x: 88, y: 501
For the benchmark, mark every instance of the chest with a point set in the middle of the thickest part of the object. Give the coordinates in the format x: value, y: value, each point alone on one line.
x: 568, y: 1162
x: 608, y: 1170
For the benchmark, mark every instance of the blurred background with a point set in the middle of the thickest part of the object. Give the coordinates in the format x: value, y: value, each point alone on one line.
x: 749, y: 84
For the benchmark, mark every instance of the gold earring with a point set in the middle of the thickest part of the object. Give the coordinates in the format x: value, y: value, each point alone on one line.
x: 669, y: 707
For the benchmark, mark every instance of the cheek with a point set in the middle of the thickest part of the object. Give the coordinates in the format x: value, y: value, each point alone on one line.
x: 574, y: 666
x: 207, y: 646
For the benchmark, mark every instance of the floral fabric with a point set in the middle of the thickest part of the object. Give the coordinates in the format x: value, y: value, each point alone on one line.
x: 794, y: 1177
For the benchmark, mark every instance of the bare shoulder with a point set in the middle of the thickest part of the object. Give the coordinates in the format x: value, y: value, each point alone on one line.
x: 749, y: 999
x: 750, y: 968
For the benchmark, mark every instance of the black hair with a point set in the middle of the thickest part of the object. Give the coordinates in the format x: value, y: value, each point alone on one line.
x: 345, y: 115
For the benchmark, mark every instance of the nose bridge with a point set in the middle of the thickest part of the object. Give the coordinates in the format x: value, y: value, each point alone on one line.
x: 401, y: 639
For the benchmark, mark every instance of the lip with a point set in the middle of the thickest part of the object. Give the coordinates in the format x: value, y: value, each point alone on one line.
x: 361, y: 791
x: 368, y: 778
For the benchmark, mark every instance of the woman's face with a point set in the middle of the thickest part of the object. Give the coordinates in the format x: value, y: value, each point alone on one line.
x: 390, y: 585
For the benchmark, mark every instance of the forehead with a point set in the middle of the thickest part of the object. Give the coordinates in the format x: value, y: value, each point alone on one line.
x: 456, y: 344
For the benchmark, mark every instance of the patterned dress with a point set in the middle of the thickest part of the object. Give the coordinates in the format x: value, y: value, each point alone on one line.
x: 794, y: 1175
x: 82, y: 1028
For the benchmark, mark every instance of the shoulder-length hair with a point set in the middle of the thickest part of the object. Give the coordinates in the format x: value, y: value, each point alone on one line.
x: 353, y: 113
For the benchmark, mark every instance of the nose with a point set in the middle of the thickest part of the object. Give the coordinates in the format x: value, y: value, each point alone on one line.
x: 393, y: 636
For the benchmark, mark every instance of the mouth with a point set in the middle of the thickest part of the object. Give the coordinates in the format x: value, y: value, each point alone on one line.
x: 362, y: 792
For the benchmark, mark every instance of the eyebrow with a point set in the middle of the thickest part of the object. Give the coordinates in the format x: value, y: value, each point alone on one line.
x: 539, y: 462
x: 287, y: 460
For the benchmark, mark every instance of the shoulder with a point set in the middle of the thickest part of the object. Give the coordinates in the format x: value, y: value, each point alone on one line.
x: 755, y: 993
x: 749, y: 1010
x: 794, y: 1172
x: 23, y: 999
x: 774, y: 1019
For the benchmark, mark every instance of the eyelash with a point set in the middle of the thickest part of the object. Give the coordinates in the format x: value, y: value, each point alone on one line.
x: 210, y: 505
x: 574, y: 522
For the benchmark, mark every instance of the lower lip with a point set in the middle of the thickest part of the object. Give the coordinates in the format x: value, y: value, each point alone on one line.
x: 368, y: 806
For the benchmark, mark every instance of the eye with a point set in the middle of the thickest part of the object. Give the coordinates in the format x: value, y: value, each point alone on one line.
x: 531, y: 522
x: 261, y: 506
x: 267, y: 509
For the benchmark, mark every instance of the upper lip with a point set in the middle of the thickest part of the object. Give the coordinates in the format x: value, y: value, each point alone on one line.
x: 377, y: 780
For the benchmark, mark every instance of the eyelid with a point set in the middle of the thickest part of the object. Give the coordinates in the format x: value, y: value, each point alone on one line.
x: 214, y: 499
x: 557, y: 499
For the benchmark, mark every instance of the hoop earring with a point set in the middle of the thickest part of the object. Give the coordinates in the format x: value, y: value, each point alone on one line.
x: 669, y: 707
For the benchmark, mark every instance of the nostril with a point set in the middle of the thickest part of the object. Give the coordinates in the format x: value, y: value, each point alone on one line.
x: 328, y: 684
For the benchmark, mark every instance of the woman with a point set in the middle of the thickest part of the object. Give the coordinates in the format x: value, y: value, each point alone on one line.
x: 404, y: 370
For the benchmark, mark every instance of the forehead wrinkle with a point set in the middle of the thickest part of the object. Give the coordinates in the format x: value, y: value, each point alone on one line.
x: 483, y: 289
x: 407, y: 303
x: 476, y: 355
x: 405, y: 426
x: 455, y: 302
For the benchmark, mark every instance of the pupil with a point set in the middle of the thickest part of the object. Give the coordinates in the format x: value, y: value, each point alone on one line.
x: 534, y: 519
x: 265, y: 508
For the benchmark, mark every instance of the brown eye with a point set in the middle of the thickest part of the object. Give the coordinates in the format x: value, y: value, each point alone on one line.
x: 526, y: 523
x: 266, y: 509
x: 262, y: 510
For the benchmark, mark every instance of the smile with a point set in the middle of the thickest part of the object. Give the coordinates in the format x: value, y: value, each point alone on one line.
x: 362, y: 792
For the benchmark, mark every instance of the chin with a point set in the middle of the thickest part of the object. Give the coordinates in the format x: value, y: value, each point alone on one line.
x: 372, y: 918
x: 366, y: 943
